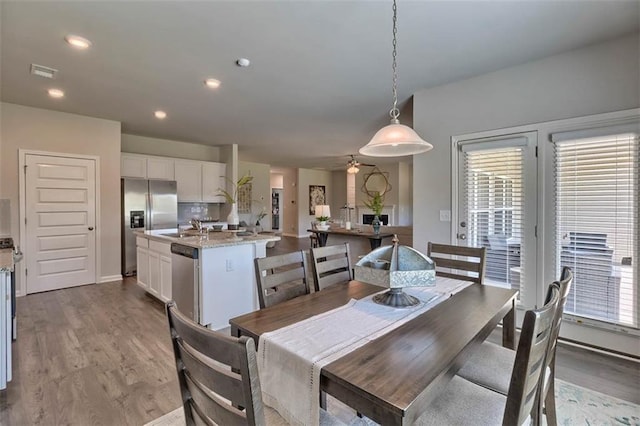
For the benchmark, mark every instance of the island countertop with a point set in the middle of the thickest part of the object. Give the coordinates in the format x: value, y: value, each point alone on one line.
x: 215, y: 239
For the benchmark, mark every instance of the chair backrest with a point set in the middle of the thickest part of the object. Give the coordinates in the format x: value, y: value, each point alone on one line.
x: 564, y: 284
x: 529, y: 363
x: 459, y: 268
x: 331, y: 265
x: 204, y: 361
x: 281, y: 278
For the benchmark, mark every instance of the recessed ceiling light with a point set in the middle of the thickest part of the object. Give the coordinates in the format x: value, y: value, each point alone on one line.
x: 243, y: 62
x: 160, y: 115
x: 78, y: 42
x: 56, y: 93
x: 212, y: 83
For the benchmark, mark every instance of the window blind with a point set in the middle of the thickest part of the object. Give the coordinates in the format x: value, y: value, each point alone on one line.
x: 597, y: 224
x: 494, y: 203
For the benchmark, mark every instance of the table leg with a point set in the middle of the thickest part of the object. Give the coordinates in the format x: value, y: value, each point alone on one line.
x: 322, y: 239
x: 375, y: 243
x: 509, y: 328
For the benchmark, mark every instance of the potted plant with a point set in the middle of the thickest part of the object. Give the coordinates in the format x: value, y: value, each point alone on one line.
x: 375, y: 204
x: 232, y: 198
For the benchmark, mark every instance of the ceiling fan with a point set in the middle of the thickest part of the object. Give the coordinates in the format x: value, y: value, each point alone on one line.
x: 353, y: 165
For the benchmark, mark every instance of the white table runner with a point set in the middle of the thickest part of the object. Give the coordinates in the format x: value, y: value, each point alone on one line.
x: 290, y: 359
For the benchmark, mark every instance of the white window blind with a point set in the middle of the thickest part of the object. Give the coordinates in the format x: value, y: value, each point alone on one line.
x: 597, y: 224
x: 494, y: 203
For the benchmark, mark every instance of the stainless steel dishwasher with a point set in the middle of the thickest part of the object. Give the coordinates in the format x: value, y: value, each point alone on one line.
x: 185, y: 277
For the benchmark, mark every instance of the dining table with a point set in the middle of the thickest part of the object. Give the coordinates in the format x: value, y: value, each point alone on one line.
x: 392, y: 378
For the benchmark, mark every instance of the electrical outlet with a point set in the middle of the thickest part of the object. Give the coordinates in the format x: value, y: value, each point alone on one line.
x: 229, y: 265
x: 445, y: 215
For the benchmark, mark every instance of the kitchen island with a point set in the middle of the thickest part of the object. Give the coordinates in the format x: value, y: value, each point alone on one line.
x: 221, y: 279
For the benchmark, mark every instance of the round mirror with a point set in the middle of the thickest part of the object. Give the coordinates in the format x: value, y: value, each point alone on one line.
x: 376, y: 182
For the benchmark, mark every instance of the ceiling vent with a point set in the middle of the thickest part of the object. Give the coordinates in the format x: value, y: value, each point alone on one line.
x: 43, y: 71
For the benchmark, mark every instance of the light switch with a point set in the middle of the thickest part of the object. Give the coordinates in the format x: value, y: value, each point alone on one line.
x: 445, y: 215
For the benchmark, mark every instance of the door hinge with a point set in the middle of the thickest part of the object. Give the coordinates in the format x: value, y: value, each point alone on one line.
x: 26, y: 272
x: 25, y: 169
x: 535, y: 231
x: 536, y: 151
x: 25, y: 220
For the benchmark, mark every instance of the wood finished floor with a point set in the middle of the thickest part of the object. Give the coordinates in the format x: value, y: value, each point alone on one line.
x: 100, y: 355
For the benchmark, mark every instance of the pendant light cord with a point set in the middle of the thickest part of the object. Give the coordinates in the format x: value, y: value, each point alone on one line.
x: 395, y: 112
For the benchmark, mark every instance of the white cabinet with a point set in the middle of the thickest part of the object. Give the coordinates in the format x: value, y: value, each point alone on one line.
x: 146, y: 167
x: 154, y: 273
x: 200, y: 181
x: 165, y: 278
x: 213, y: 178
x: 189, y: 177
x: 154, y: 267
x: 160, y: 168
x: 143, y: 267
x: 133, y: 166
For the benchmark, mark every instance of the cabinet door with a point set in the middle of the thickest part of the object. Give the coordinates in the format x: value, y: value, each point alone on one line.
x: 213, y: 178
x: 188, y: 174
x: 133, y: 166
x: 143, y: 267
x: 165, y: 278
x: 160, y: 168
x: 154, y: 273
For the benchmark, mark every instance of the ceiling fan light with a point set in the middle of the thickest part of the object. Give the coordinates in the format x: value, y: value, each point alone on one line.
x: 353, y: 169
x: 395, y: 140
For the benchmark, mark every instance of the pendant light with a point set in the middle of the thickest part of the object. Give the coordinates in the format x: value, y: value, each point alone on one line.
x: 395, y: 139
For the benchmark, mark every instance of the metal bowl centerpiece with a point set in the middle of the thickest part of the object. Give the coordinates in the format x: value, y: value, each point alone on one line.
x: 396, y: 267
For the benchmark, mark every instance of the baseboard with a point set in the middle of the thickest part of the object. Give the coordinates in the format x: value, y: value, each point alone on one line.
x: 110, y: 278
x: 284, y: 234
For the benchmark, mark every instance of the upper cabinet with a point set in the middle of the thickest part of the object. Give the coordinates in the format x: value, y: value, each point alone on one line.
x: 189, y: 178
x: 146, y: 167
x: 198, y: 181
x: 213, y: 178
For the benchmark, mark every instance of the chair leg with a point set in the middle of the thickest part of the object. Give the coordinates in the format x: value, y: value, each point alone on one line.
x: 550, y: 404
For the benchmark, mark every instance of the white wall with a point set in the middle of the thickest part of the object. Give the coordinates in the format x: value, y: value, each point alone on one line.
x: 308, y: 177
x: 260, y: 192
x: 596, y: 79
x: 169, y: 148
x: 289, y: 213
x: 43, y: 130
x: 277, y: 180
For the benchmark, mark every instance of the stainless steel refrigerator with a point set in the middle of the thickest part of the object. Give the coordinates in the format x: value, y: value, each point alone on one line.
x: 146, y: 205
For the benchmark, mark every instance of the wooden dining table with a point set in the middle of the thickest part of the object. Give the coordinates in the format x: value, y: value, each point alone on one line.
x: 393, y: 378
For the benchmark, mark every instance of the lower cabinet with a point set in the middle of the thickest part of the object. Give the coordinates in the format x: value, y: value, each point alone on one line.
x: 154, y: 269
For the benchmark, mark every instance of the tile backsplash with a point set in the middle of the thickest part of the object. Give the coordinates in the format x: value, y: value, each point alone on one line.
x: 202, y: 211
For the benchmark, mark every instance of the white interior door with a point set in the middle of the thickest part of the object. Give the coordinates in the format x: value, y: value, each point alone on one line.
x: 497, y: 208
x: 60, y: 222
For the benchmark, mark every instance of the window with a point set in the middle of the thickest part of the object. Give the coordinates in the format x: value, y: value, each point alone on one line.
x: 596, y: 197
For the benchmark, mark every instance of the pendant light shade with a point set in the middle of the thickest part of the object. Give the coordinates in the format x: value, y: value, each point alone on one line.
x: 395, y: 139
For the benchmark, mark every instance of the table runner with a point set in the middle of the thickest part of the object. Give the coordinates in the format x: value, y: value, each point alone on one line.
x: 290, y: 359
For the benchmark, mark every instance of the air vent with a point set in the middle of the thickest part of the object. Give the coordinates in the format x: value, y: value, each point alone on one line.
x: 43, y: 71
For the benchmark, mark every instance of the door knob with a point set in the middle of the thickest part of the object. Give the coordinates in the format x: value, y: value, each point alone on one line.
x: 462, y: 236
x: 91, y: 228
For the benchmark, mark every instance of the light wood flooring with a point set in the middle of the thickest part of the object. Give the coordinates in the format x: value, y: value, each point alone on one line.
x: 100, y: 355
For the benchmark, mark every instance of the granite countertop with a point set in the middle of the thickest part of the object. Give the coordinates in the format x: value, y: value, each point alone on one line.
x: 6, y: 260
x: 216, y: 239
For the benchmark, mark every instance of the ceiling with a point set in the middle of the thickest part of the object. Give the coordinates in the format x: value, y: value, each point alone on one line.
x: 319, y: 84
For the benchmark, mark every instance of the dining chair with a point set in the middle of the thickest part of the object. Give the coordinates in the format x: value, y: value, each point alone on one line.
x: 281, y: 278
x: 465, y: 403
x: 331, y: 265
x: 204, y: 362
x: 488, y: 366
x: 456, y: 268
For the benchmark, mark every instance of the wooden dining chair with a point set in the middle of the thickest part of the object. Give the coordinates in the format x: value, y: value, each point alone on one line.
x: 313, y: 237
x: 465, y: 403
x: 204, y: 361
x: 331, y: 265
x: 488, y: 366
x: 281, y: 278
x: 456, y: 268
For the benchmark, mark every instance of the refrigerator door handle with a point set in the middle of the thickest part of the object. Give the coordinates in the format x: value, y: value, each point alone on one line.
x: 149, y: 210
